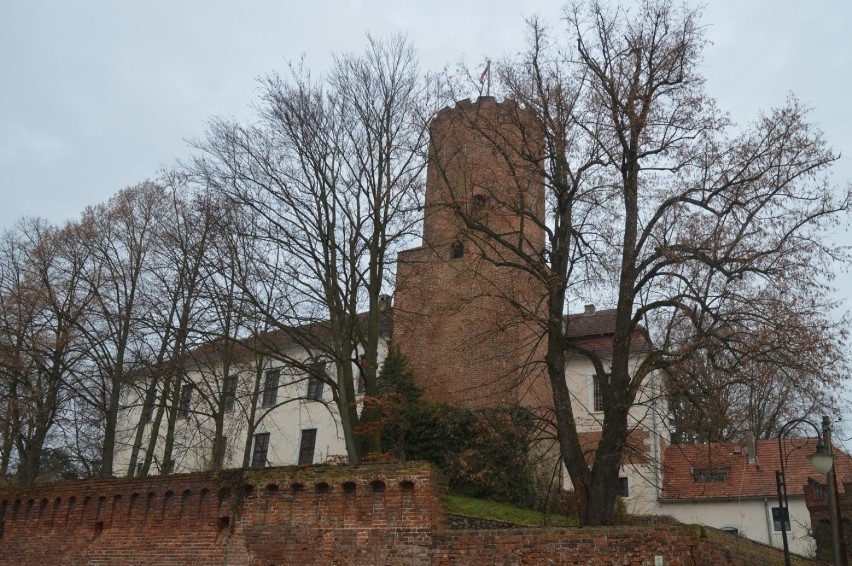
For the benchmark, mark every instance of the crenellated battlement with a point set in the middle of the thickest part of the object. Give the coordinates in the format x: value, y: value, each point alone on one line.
x: 200, y: 516
x: 486, y: 104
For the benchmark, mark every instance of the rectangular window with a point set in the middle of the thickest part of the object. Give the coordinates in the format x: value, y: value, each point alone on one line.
x: 306, y: 447
x: 361, y: 380
x: 185, y: 400
x: 710, y: 475
x: 314, y: 388
x: 623, y: 487
x: 270, y: 388
x: 779, y: 514
x: 597, y: 395
x: 230, y: 393
x: 316, y: 373
x: 148, y: 411
x: 261, y: 449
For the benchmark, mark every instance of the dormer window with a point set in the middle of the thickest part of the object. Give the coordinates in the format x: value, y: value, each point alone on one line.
x: 710, y: 475
x: 457, y: 249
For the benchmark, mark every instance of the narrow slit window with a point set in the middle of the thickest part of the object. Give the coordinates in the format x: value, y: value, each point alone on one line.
x: 597, y: 395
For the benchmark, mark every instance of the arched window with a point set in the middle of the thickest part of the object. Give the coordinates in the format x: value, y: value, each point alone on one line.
x: 457, y: 249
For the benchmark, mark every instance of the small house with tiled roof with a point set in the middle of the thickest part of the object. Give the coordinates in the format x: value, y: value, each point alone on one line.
x: 733, y: 487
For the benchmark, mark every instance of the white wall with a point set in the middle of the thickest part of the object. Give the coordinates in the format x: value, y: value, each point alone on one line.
x: 751, y: 517
x: 284, y: 423
x: 647, y: 414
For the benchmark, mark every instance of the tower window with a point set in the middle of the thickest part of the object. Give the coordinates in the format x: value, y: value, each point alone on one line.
x: 457, y: 249
x: 479, y: 203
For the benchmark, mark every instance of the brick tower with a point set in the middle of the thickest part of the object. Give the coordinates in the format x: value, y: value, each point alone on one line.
x: 464, y: 319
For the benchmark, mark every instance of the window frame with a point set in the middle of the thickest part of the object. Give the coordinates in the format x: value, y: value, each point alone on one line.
x: 596, y: 401
x: 623, y: 486
x: 710, y: 475
x: 310, y: 435
x: 315, y: 388
x: 185, y: 405
x: 270, y: 394
x: 148, y: 410
x: 229, y: 393
x: 316, y: 383
x: 777, y: 519
x: 260, y: 450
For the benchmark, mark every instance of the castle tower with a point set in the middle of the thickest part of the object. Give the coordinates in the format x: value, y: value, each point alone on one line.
x: 463, y: 317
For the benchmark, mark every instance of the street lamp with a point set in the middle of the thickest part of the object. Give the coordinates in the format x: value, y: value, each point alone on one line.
x: 822, y: 461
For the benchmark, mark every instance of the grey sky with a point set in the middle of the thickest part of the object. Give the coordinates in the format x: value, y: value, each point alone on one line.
x: 98, y: 95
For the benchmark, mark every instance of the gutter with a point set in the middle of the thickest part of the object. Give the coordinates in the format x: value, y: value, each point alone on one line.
x: 792, y: 497
x: 655, y: 437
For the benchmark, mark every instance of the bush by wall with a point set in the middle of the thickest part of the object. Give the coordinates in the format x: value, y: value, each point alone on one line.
x: 482, y: 452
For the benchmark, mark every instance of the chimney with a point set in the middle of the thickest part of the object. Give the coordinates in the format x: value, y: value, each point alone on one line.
x: 751, y: 446
x: 589, y: 310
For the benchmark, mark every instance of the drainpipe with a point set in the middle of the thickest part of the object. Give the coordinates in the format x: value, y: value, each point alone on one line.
x: 767, y: 513
x: 656, y: 439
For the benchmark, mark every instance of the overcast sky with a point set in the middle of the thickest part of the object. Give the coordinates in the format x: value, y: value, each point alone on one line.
x: 99, y: 95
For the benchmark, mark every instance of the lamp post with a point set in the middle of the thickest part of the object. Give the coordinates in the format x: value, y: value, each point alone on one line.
x: 822, y: 461
x: 838, y: 549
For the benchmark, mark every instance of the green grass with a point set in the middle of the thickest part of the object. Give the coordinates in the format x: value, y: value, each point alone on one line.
x: 485, y: 509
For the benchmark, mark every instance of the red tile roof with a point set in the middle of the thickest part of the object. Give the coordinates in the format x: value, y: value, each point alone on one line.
x: 594, y: 324
x: 594, y: 332
x: 744, y: 479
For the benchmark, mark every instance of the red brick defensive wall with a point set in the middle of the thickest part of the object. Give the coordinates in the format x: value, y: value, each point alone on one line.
x: 377, y: 514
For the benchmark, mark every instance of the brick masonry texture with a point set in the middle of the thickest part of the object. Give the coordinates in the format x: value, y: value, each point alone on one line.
x: 816, y: 498
x: 453, y: 318
x: 371, y: 515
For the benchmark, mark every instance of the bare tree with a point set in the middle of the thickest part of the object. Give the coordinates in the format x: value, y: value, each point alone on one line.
x: 118, y: 236
x: 790, y: 363
x: 43, y: 301
x: 331, y: 177
x: 175, y: 323
x: 654, y: 199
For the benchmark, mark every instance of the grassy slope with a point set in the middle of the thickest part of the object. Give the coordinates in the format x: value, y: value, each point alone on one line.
x: 486, y: 509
